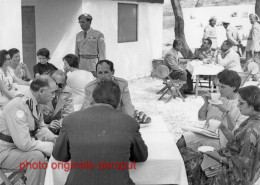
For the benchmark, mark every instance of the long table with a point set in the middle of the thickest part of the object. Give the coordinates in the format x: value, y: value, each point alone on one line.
x: 196, y: 68
x: 163, y: 166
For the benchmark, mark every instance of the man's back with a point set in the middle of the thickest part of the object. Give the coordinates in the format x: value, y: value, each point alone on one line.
x: 103, y: 136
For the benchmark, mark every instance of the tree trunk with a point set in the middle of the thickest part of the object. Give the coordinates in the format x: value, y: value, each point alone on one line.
x: 179, y: 28
x: 199, y: 3
x: 257, y: 7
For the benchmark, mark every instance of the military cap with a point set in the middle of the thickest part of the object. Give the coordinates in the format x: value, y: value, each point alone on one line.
x: 85, y: 15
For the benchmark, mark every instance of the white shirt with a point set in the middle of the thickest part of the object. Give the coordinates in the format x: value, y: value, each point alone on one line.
x: 77, y: 80
x: 231, y: 60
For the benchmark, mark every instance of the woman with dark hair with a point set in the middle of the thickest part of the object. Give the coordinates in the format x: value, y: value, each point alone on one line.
x: 16, y: 68
x: 7, y: 90
x: 239, y: 161
x: 77, y: 79
x: 43, y: 66
x: 226, y: 112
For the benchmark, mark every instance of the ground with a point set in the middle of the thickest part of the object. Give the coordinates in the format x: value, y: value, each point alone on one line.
x: 175, y: 113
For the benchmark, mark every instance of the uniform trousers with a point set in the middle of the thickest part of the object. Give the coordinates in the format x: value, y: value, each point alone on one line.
x: 17, y: 158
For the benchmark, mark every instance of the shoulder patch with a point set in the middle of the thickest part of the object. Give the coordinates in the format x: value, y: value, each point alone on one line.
x: 126, y: 90
x: 102, y: 39
x: 20, y: 114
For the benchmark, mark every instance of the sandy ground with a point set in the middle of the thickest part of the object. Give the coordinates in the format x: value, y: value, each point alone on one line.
x: 175, y: 113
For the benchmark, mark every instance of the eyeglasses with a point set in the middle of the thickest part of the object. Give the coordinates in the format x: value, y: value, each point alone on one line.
x: 60, y: 85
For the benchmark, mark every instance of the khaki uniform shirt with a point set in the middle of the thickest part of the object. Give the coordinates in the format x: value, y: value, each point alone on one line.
x: 199, y: 53
x: 22, y: 119
x: 125, y: 104
x: 211, y: 33
x: 90, y: 49
x: 63, y: 107
x: 253, y: 40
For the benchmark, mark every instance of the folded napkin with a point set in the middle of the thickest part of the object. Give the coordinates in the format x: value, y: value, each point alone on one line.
x: 210, y: 166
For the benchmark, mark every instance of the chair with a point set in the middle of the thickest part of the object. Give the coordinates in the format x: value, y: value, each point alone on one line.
x: 171, y: 86
x: 253, y: 69
x: 13, y: 178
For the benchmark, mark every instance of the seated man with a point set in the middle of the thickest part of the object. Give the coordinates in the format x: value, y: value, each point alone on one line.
x: 108, y: 137
x: 228, y: 57
x: 205, y: 51
x: 60, y: 106
x: 171, y: 60
x: 105, y: 70
x: 23, y: 135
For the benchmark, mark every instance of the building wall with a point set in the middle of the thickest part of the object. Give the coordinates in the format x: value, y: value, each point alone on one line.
x: 131, y: 59
x: 56, y: 26
x: 11, y: 24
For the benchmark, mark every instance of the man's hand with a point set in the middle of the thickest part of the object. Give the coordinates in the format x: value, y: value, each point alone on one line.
x: 141, y: 117
x: 55, y: 124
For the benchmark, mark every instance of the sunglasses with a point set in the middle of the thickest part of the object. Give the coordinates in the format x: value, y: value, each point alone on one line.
x: 60, y: 85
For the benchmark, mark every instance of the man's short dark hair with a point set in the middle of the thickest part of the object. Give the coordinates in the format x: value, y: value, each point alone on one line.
x: 72, y: 60
x: 230, y: 78
x: 209, y: 41
x: 108, y: 62
x: 108, y: 92
x: 59, y: 73
x: 228, y: 43
x: 44, y: 52
x: 40, y: 82
x: 3, y: 54
x: 176, y: 43
x: 12, y: 52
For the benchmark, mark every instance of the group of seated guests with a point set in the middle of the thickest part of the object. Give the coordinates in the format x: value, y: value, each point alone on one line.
x: 225, y: 56
x: 32, y: 119
x: 235, y: 158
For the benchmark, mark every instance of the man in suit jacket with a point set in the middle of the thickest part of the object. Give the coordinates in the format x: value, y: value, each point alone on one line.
x: 100, y: 134
x: 90, y: 45
x: 61, y: 105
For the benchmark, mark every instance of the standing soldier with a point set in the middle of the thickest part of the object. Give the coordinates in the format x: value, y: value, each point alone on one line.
x: 90, y: 45
x: 211, y: 33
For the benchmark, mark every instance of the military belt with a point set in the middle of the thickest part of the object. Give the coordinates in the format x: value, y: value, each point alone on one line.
x: 212, y: 37
x: 6, y: 138
x: 88, y: 56
x: 249, y: 39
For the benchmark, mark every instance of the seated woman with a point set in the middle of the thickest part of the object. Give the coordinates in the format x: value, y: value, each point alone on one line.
x: 17, y: 69
x: 239, y: 161
x: 229, y: 82
x: 7, y: 90
x: 43, y: 66
x: 77, y: 79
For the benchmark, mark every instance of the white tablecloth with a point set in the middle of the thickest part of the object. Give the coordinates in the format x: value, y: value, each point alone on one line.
x: 163, y: 166
x: 196, y: 67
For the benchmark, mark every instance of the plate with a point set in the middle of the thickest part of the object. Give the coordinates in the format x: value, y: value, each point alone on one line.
x: 206, y: 149
x: 201, y: 131
x: 216, y: 103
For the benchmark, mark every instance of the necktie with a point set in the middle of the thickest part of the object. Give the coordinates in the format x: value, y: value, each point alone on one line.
x: 54, y: 101
x: 85, y: 34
